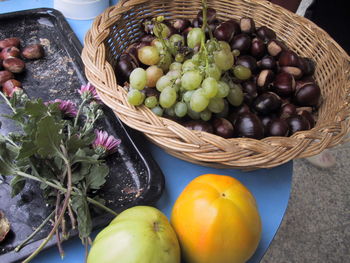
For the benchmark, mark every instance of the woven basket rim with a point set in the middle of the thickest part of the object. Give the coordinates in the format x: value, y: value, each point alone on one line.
x: 94, y: 44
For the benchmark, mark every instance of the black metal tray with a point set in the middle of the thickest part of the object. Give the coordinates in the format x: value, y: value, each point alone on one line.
x: 135, y: 177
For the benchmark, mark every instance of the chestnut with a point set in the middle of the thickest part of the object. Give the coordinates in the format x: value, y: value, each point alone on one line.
x: 1, y: 67
x: 307, y: 95
x: 247, y: 25
x: 10, y: 86
x: 297, y: 123
x: 199, y: 125
x: 250, y: 91
x: 241, y: 42
x: 258, y: 48
x: 151, y: 92
x: 287, y: 110
x: 267, y: 103
x: 267, y: 62
x: 34, y: 51
x: 275, y: 47
x: 265, y: 78
x: 196, y: 23
x: 308, y: 116
x: 265, y: 33
x: 146, y: 38
x: 9, y: 42
x: 244, y: 108
x: 225, y: 31
x: 211, y: 15
x: 179, y: 24
x: 223, y: 128
x: 125, y: 65
x: 288, y: 58
x: 14, y: 65
x: 307, y: 65
x: 296, y: 72
x: 284, y: 84
x: 249, y: 125
x: 265, y: 120
x: 5, y: 75
x: 277, y: 127
x: 248, y: 62
x: 10, y: 52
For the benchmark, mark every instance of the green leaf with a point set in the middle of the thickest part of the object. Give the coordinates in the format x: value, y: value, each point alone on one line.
x: 36, y: 108
x: 82, y: 171
x: 17, y: 184
x: 81, y: 209
x: 48, y: 137
x: 97, y: 176
x: 80, y: 157
x: 7, y: 155
x: 28, y: 149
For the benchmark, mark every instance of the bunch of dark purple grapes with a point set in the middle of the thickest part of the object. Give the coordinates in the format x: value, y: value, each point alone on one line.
x: 230, y: 78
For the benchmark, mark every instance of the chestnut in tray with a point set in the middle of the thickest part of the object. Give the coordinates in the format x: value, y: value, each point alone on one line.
x: 231, y: 78
x: 12, y: 62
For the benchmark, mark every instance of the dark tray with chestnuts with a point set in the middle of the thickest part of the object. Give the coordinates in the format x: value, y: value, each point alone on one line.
x: 231, y: 78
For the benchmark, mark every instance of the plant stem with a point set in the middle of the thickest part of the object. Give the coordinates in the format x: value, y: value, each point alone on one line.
x: 79, y: 110
x: 98, y: 204
x: 8, y: 102
x: 20, y: 246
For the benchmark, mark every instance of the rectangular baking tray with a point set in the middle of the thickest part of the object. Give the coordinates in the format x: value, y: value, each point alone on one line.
x: 135, y: 177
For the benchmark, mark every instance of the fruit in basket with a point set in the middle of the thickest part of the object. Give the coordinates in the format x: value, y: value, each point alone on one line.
x: 138, y: 234
x: 208, y: 69
x: 216, y: 220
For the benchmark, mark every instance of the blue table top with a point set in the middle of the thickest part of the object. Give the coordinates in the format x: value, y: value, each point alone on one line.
x: 271, y: 187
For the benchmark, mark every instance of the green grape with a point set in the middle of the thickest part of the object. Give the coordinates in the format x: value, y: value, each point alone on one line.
x: 196, y: 58
x: 210, y: 87
x: 223, y: 59
x: 191, y: 80
x: 158, y: 44
x: 199, y: 101
x: 211, y: 46
x: 192, y: 114
x: 138, y: 78
x: 161, y: 30
x: 158, y: 111
x: 189, y: 65
x: 170, y: 111
x: 148, y: 55
x: 180, y: 109
x: 174, y: 39
x: 235, y: 96
x: 195, y: 37
x: 241, y: 72
x: 179, y: 57
x: 216, y: 105
x: 165, y: 60
x: 213, y: 71
x: 175, y: 66
x: 163, y: 82
x: 205, y: 115
x: 174, y: 74
x: 135, y: 97
x: 167, y: 97
x: 236, y: 52
x: 151, y: 102
x: 223, y: 89
x: 187, y: 95
x: 225, y: 46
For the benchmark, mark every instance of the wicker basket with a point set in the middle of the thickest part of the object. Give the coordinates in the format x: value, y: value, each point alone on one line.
x: 119, y: 26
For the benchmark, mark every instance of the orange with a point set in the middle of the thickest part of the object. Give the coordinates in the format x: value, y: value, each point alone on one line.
x: 216, y: 220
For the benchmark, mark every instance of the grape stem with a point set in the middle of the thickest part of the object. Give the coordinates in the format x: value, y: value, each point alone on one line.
x: 205, y: 19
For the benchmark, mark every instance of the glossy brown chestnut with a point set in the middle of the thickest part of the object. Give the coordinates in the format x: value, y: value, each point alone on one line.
x: 248, y: 62
x: 308, y: 116
x: 277, y: 127
x: 284, y: 84
x: 258, y: 48
x: 275, y: 47
x: 247, y: 25
x: 250, y: 91
x: 295, y: 71
x: 267, y: 62
x: 125, y: 65
x: 288, y: 58
x: 9, y: 42
x: 10, y: 86
x: 179, y: 24
x: 287, y: 110
x: 223, y: 128
x: 307, y: 95
x: 244, y: 108
x: 10, y: 52
x: 265, y: 78
x: 297, y: 123
x: 5, y: 75
x: 34, y: 51
x: 241, y: 42
x: 225, y: 31
x: 14, y: 65
x: 307, y: 65
x: 267, y: 103
x: 147, y: 38
x: 199, y: 125
x: 211, y: 15
x: 249, y: 125
x: 265, y: 33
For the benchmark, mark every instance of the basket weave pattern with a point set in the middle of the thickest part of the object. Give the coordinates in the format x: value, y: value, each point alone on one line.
x: 120, y: 25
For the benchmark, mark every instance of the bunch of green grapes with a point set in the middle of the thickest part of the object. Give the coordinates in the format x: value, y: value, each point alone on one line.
x: 197, y: 82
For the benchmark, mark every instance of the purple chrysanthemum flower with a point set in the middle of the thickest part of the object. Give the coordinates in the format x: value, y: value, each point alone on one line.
x: 89, y: 92
x: 67, y: 107
x: 105, y: 143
